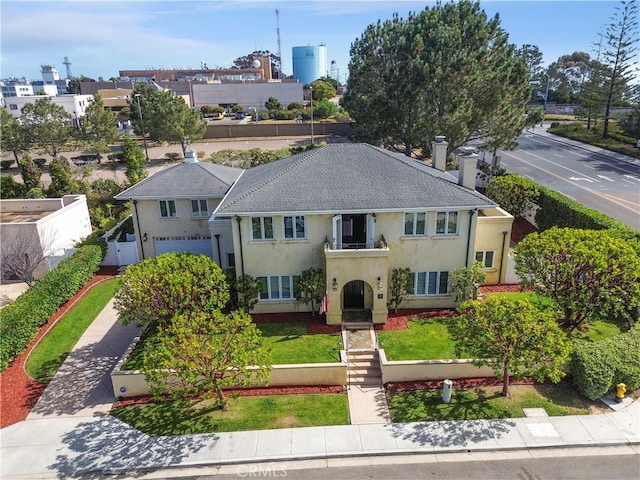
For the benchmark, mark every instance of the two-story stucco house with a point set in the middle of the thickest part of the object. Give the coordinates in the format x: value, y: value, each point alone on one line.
x: 358, y: 212
x: 354, y: 210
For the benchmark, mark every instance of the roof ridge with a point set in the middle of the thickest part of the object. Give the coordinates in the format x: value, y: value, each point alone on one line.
x: 203, y: 167
x: 303, y: 157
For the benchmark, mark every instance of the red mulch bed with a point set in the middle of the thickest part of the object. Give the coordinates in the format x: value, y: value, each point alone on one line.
x: 315, y: 323
x: 457, y: 383
x: 398, y: 321
x: 18, y: 392
x: 247, y: 392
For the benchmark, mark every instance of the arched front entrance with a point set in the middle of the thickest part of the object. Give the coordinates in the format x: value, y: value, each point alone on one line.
x: 353, y: 295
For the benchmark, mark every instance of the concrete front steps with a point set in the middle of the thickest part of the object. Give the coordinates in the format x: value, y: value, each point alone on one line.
x: 364, y: 368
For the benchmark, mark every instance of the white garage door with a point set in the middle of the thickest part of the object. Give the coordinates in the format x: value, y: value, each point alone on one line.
x: 197, y: 245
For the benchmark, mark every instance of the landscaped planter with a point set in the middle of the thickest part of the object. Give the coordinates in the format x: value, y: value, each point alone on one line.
x: 132, y: 383
x: 412, y: 370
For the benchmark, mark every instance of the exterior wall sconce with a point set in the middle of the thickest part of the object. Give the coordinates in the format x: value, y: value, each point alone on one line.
x: 334, y: 285
x: 379, y: 283
x: 145, y: 237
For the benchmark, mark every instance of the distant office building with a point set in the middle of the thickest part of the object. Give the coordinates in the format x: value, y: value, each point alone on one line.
x: 309, y: 63
x: 206, y: 75
x: 74, y: 105
x: 250, y: 95
x: 51, y: 84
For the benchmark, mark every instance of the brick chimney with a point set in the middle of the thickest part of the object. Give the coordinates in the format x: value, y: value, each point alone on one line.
x: 468, y: 166
x: 439, y: 153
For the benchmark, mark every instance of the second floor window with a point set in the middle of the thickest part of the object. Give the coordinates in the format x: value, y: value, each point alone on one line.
x: 167, y: 208
x: 262, y: 228
x: 415, y: 223
x: 199, y: 208
x: 294, y: 227
x: 446, y: 223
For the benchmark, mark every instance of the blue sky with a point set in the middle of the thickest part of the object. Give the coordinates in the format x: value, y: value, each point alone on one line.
x: 102, y: 37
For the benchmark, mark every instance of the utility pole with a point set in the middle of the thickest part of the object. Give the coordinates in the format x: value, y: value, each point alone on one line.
x: 279, y: 52
x: 144, y: 135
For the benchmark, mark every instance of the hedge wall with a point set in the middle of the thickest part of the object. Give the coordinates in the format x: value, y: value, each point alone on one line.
x: 597, y: 367
x: 22, y: 319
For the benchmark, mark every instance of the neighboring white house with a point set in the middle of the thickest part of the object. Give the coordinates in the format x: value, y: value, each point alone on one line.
x: 74, y: 105
x: 49, y: 227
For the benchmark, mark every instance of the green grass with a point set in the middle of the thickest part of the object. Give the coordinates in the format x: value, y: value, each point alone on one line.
x: 243, y: 413
x: 425, y: 339
x: 47, y: 357
x: 485, y: 403
x: 290, y: 343
x: 530, y: 296
x: 597, y: 330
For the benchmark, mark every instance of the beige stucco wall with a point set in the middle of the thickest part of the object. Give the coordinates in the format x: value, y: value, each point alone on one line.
x: 494, y: 234
x: 146, y: 213
x: 422, y: 253
x: 411, y: 370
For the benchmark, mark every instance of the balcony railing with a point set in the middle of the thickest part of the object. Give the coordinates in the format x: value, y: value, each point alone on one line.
x: 381, y: 245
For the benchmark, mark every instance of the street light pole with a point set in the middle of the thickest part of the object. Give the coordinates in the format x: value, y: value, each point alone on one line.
x: 546, y: 95
x: 144, y: 135
x: 311, y: 90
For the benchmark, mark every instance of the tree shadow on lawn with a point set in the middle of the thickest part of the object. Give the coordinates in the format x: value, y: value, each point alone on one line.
x: 107, y: 446
x: 475, y: 424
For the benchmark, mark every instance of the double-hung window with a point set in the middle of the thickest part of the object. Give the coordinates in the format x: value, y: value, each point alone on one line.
x: 262, y: 228
x: 199, y: 208
x: 294, y: 227
x: 431, y: 283
x: 415, y: 223
x: 167, y: 208
x: 446, y: 223
x: 277, y: 287
x: 486, y: 258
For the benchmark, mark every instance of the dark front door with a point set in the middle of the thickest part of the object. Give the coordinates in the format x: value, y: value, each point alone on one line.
x: 354, y: 294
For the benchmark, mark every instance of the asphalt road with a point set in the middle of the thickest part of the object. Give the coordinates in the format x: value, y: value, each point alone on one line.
x: 596, y: 180
x: 597, y: 463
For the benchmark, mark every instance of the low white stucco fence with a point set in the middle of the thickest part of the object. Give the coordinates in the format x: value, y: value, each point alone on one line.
x: 415, y: 370
x: 132, y: 383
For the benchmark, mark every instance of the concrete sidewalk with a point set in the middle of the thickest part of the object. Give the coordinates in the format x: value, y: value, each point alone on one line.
x: 69, y: 433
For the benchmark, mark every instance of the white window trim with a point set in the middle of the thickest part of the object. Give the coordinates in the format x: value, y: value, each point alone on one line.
x: 484, y: 258
x: 169, y: 216
x: 262, y: 237
x: 415, y: 224
x: 446, y: 223
x: 426, y: 289
x: 293, y: 226
x: 199, y: 214
x: 269, y: 295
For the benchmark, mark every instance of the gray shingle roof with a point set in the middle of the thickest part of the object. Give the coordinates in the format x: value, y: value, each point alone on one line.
x: 184, y: 180
x: 346, y: 177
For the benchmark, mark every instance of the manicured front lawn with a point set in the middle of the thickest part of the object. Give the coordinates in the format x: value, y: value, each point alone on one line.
x: 47, y: 357
x: 425, y: 339
x: 243, y: 413
x: 290, y: 343
x: 485, y: 403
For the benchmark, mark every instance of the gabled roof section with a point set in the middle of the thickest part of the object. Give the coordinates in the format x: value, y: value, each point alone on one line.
x: 184, y: 180
x: 346, y: 177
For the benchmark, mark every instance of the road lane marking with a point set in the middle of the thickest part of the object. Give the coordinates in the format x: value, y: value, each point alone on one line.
x: 606, y: 178
x: 581, y: 179
x: 559, y: 165
x: 633, y: 178
x: 557, y: 155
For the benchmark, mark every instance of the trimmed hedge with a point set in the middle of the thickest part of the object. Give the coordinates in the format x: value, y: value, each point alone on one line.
x: 558, y: 210
x: 597, y: 367
x: 22, y: 319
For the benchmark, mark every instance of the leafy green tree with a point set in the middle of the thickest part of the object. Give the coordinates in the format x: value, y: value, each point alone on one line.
x: 534, y: 117
x: 630, y: 123
x: 166, y: 116
x: 466, y: 280
x: 9, y: 188
x: 247, y: 288
x: 273, y: 104
x: 401, y: 286
x: 619, y: 54
x: 62, y: 182
x: 512, y: 337
x: 14, y: 136
x: 158, y: 288
x: 74, y: 84
x: 311, y: 287
x: 295, y: 106
x: 590, y: 274
x: 99, y: 127
x: 334, y: 82
x: 133, y: 157
x: 325, y: 108
x: 322, y: 90
x: 48, y: 125
x: 569, y: 74
x: 30, y: 172
x: 516, y: 194
x: 447, y: 70
x: 533, y: 56
x: 238, y: 107
x: 205, y: 352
